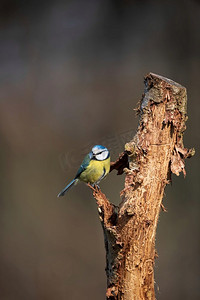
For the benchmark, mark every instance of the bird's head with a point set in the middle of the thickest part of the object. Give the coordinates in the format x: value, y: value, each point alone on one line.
x: 100, y: 152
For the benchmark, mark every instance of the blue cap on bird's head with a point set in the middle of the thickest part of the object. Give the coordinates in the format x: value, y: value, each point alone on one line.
x: 100, y: 152
x: 98, y: 147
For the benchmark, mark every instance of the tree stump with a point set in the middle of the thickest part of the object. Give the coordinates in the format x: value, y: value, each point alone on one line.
x: 149, y: 158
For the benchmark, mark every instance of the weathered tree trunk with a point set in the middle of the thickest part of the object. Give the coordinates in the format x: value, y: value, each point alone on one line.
x: 148, y: 160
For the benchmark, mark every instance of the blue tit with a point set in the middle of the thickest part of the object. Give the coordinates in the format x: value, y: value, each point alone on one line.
x: 95, y: 166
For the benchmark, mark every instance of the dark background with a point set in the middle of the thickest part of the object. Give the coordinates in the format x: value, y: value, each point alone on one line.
x: 71, y: 74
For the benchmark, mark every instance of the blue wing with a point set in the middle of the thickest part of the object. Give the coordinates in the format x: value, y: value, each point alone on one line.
x: 82, y: 168
x: 84, y: 164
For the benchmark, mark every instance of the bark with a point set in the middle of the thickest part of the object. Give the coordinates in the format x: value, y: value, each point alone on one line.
x: 148, y: 160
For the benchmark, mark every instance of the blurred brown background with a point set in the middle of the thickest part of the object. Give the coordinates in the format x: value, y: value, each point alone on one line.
x: 71, y: 74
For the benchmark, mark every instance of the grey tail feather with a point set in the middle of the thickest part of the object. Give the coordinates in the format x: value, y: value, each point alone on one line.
x: 73, y: 182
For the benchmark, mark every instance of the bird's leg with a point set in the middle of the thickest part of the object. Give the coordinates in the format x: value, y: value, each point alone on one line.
x: 97, y: 187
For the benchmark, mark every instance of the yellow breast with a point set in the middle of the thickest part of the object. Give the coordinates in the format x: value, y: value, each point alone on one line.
x: 95, y: 171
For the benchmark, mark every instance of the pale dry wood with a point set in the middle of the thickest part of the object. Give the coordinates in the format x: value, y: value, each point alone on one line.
x: 149, y: 158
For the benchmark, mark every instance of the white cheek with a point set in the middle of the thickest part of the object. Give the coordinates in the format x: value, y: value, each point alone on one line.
x: 102, y: 155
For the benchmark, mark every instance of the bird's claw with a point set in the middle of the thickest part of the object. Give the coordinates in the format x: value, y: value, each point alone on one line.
x: 97, y: 187
x: 94, y: 187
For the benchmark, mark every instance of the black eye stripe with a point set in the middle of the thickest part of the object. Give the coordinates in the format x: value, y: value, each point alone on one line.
x: 100, y: 152
x: 96, y: 157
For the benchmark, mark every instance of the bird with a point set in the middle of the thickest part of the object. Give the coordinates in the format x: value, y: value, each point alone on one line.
x: 95, y: 166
